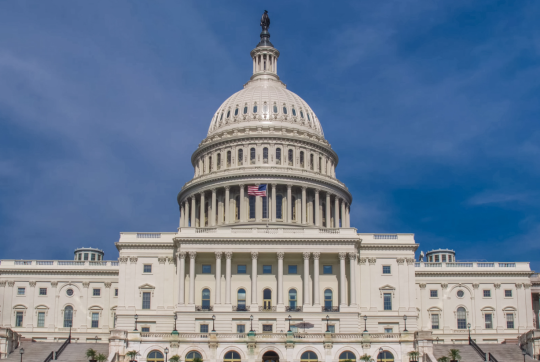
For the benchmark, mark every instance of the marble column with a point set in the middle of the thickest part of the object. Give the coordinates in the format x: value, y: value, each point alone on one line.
x: 289, y: 203
x: 182, y: 215
x: 254, y: 256
x: 227, y: 205
x: 343, y: 218
x: 201, y: 213
x: 218, y: 277
x: 317, y: 209
x: 280, y: 256
x: 193, y: 211
x: 352, y: 272
x: 192, y: 255
x: 304, y: 205
x: 316, y: 271
x: 342, y: 280
x: 242, y: 205
x: 186, y: 219
x: 336, y: 212
x: 214, y: 209
x: 181, y: 277
x: 328, y: 208
x: 306, y: 278
x: 228, y: 257
x: 348, y: 217
x: 274, y: 196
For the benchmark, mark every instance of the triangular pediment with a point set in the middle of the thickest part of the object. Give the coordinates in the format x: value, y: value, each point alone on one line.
x: 147, y: 286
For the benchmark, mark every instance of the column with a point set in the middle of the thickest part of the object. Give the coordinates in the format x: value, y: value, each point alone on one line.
x: 352, y: 283
x: 213, y: 216
x: 342, y: 288
x: 193, y: 210
x: 306, y: 277
x: 186, y: 208
x: 192, y: 255
x: 254, y: 256
x: 348, y: 217
x: 317, y: 211
x: 228, y: 257
x: 201, y: 213
x: 328, y: 207
x: 336, y: 212
x: 182, y: 214
x: 280, y: 256
x: 343, y: 222
x: 304, y: 205
x: 181, y: 277
x: 227, y: 204
x: 218, y: 278
x: 316, y: 271
x: 289, y: 203
x: 274, y: 195
x: 241, y: 207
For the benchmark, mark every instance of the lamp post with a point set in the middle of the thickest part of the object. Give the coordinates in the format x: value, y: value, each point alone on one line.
x: 213, y: 323
x: 380, y: 354
x: 21, y: 351
x: 327, y: 318
x: 175, y: 318
x: 96, y: 338
x: 289, y: 318
x: 437, y: 340
x: 251, y: 319
x: 166, y: 353
x: 136, y: 317
x: 405, y: 319
x: 469, y: 328
x: 524, y: 353
x: 365, y: 323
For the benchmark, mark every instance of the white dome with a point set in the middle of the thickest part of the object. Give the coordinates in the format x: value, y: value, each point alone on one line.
x: 265, y: 101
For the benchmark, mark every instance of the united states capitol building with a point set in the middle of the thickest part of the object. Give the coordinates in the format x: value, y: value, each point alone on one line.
x: 265, y: 278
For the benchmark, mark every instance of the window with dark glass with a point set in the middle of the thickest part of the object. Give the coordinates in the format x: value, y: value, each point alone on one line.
x: 206, y: 299
x: 433, y: 293
x: 275, y: 108
x: 231, y: 356
x: 146, y: 300
x: 508, y: 293
x: 267, y: 269
x: 291, y: 159
x: 221, y: 118
x: 284, y: 110
x: 251, y: 207
x: 237, y: 208
x: 444, y: 258
x: 265, y: 207
x: 219, y: 161
x: 302, y: 114
x: 434, y: 321
x: 93, y: 257
x: 241, y: 300
x: 42, y: 291
x: 96, y: 292
x: 255, y: 108
x: 267, y: 299
x: 487, y: 293
x: 240, y: 157
x: 293, y: 269
x: 147, y: 268
x: 116, y: 292
x: 387, y: 301
x: 489, y: 320
x: 292, y: 298
x: 228, y: 113
x: 279, y: 205
x: 301, y: 158
x: 293, y: 208
x: 41, y: 319
x: 267, y: 328
x: 228, y: 158
x: 252, y: 155
x: 510, y: 320
x: 311, y: 162
x: 327, y: 269
x: 207, y: 269
x: 308, y: 357
x: 19, y: 319
x: 236, y: 111
x: 68, y: 316
x: 294, y: 112
x: 278, y: 156
x: 203, y: 328
x: 386, y: 269
x: 145, y: 329
x: 461, y: 318
x: 240, y: 328
x: 241, y: 269
x: 265, y: 155
x: 95, y: 320
x: 328, y: 298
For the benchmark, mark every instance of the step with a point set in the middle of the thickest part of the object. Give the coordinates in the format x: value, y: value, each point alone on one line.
x: 505, y: 352
x: 33, y: 351
x: 76, y: 352
x: 468, y: 354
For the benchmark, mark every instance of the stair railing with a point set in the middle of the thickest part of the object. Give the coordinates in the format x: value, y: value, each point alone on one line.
x: 55, y: 355
x: 492, y: 358
x: 477, y: 349
x: 50, y: 357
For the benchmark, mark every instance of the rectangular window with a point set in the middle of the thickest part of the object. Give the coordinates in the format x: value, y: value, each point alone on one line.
x: 21, y: 291
x: 85, y: 256
x: 327, y: 269
x: 444, y: 258
x: 42, y: 291
x: 332, y: 328
x: 96, y: 292
x: 145, y: 329
x: 434, y: 321
x: 147, y: 268
x: 19, y: 319
x: 207, y: 269
x: 279, y: 206
x: 389, y: 330
x: 267, y: 269
x: 204, y: 328
x: 387, y: 301
x: 93, y: 257
x: 251, y: 207
x: 510, y: 320
x: 240, y: 328
x: 95, y: 320
x: 508, y: 293
x: 292, y: 269
x: 265, y: 207
x: 241, y: 269
x: 116, y: 292
x: 489, y: 321
x: 436, y: 258
x: 146, y: 300
x: 449, y: 258
x: 433, y: 293
x: 386, y: 269
x: 487, y: 293
x: 41, y: 319
x: 267, y: 328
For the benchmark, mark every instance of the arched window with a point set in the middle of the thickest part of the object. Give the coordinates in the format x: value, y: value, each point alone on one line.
x: 255, y: 108
x: 237, y: 208
x: 221, y: 118
x: 291, y: 157
x: 229, y: 158
x: 245, y: 109
x: 320, y: 164
x: 278, y: 156
x: 328, y: 300
x: 236, y: 111
x: 294, y: 112
x: 68, y: 316
x: 229, y: 113
x: 270, y: 356
x: 308, y: 357
x: 210, y: 164
x: 385, y: 356
x: 302, y: 159
x: 265, y: 207
x: 241, y: 300
x: 240, y: 157
x: 219, y: 161
x: 192, y: 355
x: 311, y: 162
x: 323, y: 214
x: 265, y: 155
x: 347, y: 355
x: 293, y: 202
x: 279, y: 205
x: 292, y: 298
x: 231, y: 356
x: 155, y: 356
x: 301, y: 114
x: 206, y: 207
x: 206, y: 299
x: 461, y: 318
x: 275, y: 108
x: 284, y: 110
x: 251, y: 207
x: 267, y: 299
x: 252, y: 156
x: 309, y: 119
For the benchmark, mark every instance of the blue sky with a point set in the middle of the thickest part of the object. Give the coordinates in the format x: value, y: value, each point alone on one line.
x: 433, y: 108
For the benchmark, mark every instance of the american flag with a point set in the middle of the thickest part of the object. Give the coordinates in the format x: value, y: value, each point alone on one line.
x: 257, y: 190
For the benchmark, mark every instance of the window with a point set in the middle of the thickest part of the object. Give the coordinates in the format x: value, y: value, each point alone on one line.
x: 267, y: 299
x: 192, y: 355
x: 331, y: 328
x: 487, y: 293
x: 240, y: 328
x: 267, y: 328
x: 279, y: 206
x: 265, y: 207
x: 69, y: 292
x: 385, y: 356
x: 294, y: 112
x: 449, y: 258
x: 389, y: 330
x: 229, y: 155
x: 251, y: 207
x: 510, y: 320
x: 444, y: 258
x: 207, y: 269
x: 68, y: 316
x: 386, y: 269
x: 21, y: 291
x: 290, y: 157
x: 96, y: 292
x: 219, y: 161
x: 203, y: 328
x: 241, y: 300
x: 236, y: 111
x: 231, y: 356
x: 19, y: 319
x: 267, y: 269
x: 311, y: 162
x: 147, y: 268
x: 278, y: 156
x: 210, y: 164
x: 308, y: 357
x: 145, y: 329
x: 488, y: 317
x: 460, y: 293
x: 42, y: 291
x: 206, y: 299
x: 328, y: 299
x: 240, y: 157
x: 301, y: 114
x: 95, y: 320
x: 221, y: 117
x: 434, y: 321
x: 301, y: 158
x: 436, y: 258
x: 461, y: 318
x: 80, y: 256
x: 293, y: 208
x: 41, y: 319
x: 241, y: 269
x: 320, y: 164
x: 387, y: 301
x: 508, y: 293
x: 292, y: 269
x: 284, y: 110
x: 155, y: 356
x: 228, y: 113
x: 347, y: 356
x: 275, y: 108
x: 255, y: 108
x: 327, y: 269
x: 85, y: 256
x: 146, y: 300
x: 93, y: 257
x: 245, y: 110
x: 292, y: 298
x: 116, y: 292
x: 265, y: 155
x: 237, y: 208
x: 434, y: 293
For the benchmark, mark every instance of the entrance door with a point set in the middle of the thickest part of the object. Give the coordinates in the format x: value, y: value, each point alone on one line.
x: 270, y: 356
x: 385, y: 356
x: 267, y: 299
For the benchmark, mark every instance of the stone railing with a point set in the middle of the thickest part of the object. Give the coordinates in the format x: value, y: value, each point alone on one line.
x: 480, y: 266
x: 224, y: 230
x: 53, y: 263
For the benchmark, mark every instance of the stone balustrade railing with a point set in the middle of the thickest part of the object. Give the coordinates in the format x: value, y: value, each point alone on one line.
x: 52, y: 263
x: 268, y: 230
x: 476, y: 266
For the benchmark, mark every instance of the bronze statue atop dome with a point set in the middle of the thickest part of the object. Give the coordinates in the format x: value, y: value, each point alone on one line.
x: 265, y: 35
x: 265, y: 21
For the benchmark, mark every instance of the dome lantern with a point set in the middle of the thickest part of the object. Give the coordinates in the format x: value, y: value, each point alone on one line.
x: 265, y: 56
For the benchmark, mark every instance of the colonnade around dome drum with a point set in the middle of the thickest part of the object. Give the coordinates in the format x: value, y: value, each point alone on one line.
x: 285, y: 203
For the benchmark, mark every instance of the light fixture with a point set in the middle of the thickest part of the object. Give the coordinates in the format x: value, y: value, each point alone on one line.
x: 251, y: 319
x: 213, y: 323
x: 365, y: 324
x: 289, y: 323
x: 166, y: 353
x: 405, y: 319
x: 327, y: 318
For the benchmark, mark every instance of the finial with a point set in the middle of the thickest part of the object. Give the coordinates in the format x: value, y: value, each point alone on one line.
x: 265, y: 35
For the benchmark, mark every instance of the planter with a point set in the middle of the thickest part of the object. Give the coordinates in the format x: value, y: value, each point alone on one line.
x: 454, y: 360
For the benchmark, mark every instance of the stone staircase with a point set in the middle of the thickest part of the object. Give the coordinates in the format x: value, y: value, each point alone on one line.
x: 505, y: 352
x: 76, y: 352
x: 33, y: 351
x: 468, y: 354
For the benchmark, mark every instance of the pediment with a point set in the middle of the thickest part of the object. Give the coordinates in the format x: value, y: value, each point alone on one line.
x: 147, y: 286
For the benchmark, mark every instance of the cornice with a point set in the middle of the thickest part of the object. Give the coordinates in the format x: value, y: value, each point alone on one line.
x: 470, y: 273
x: 273, y: 241
x: 393, y: 247
x: 103, y: 273
x: 146, y: 245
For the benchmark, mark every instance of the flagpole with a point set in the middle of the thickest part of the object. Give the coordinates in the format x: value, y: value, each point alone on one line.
x: 267, y: 206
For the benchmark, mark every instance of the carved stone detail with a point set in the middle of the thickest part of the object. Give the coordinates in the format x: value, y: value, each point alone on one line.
x: 422, y: 285
x: 410, y: 261
x: 519, y: 285
x: 133, y: 259
x: 254, y: 255
x: 307, y: 254
x: 476, y: 285
x: 218, y: 254
x: 192, y: 255
x: 54, y: 284
x: 182, y: 255
x: 123, y: 259
x: 32, y: 283
x: 342, y: 256
x: 400, y: 261
x: 85, y: 284
x: 175, y: 344
x: 280, y: 255
x: 497, y: 285
x: 162, y: 259
x: 2, y: 283
x: 228, y: 255
x: 527, y: 285
x: 108, y: 284
x: 362, y: 260
x: 372, y: 261
x: 316, y: 255
x: 11, y: 283
x: 352, y: 256
x: 444, y: 285
x: 170, y: 260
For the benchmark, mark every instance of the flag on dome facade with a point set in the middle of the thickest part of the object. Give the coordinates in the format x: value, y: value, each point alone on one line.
x: 257, y: 190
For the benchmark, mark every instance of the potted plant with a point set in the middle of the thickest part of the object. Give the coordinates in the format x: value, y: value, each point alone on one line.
x: 442, y: 359
x: 413, y: 356
x: 132, y: 355
x: 101, y: 357
x: 366, y: 358
x: 454, y: 355
x: 175, y: 358
x: 91, y: 354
